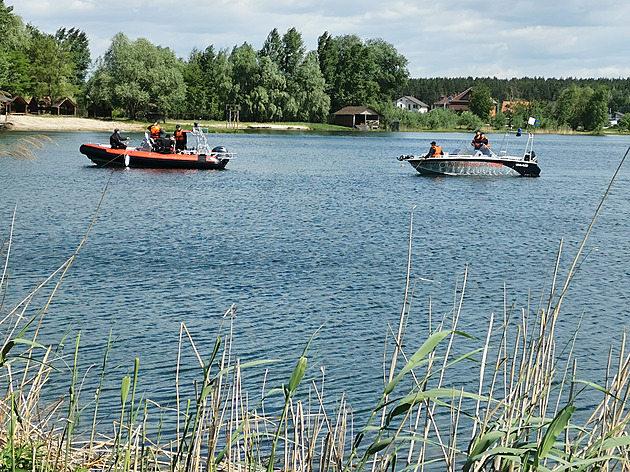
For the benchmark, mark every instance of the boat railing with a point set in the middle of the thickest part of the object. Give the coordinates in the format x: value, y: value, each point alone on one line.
x: 467, y: 149
x: 509, y: 137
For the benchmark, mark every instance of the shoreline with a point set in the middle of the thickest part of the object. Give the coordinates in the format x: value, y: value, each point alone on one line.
x: 73, y: 123
x: 45, y: 123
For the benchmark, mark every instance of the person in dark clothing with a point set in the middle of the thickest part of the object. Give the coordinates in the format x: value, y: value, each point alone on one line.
x: 116, y: 142
x: 435, y: 150
x: 180, y: 139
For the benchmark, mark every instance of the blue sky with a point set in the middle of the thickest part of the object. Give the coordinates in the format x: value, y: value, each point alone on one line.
x: 439, y: 38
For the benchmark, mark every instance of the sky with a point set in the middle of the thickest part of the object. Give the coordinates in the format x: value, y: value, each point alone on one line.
x: 439, y: 38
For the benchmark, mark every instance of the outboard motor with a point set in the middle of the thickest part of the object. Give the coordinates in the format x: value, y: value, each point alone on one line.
x: 220, y: 150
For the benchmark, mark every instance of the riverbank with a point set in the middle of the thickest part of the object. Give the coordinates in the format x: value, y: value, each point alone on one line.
x: 71, y: 123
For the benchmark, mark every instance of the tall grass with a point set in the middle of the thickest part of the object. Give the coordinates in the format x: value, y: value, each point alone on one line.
x: 517, y: 414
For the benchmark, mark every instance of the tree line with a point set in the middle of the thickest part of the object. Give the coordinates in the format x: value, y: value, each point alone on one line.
x: 282, y: 81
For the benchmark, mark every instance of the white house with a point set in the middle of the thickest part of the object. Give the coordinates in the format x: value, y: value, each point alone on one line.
x: 614, y: 117
x: 411, y: 104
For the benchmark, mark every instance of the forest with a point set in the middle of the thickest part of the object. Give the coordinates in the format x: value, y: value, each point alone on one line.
x: 282, y: 81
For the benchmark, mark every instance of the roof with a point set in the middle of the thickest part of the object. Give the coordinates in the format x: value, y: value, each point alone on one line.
x: 458, y: 101
x: 20, y: 99
x: 63, y: 100
x: 414, y: 100
x: 509, y: 104
x: 351, y: 110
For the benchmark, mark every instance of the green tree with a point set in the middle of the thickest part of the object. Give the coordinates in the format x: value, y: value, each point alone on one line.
x: 583, y: 108
x: 568, y: 108
x: 441, y: 118
x: 481, y: 103
x: 245, y: 73
x: 391, y: 68
x: 51, y: 67
x: 314, y: 103
x: 140, y: 75
x: 15, y: 73
x: 469, y: 120
x: 208, y: 80
x: 499, y: 121
x: 196, y: 87
x: 292, y: 52
x: 19, y: 75
x: 269, y: 95
x: 12, y: 30
x: 328, y: 55
x: 272, y: 47
x: 76, y: 44
x: 358, y: 73
x: 596, y: 110
x: 624, y: 123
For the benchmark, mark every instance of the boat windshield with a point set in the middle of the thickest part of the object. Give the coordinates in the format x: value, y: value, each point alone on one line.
x: 509, y: 147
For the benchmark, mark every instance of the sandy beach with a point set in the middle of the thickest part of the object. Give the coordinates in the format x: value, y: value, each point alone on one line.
x: 70, y: 123
x: 67, y: 123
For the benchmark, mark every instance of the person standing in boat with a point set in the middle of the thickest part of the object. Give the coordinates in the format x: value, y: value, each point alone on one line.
x: 116, y: 142
x: 156, y: 131
x: 435, y: 150
x: 180, y: 139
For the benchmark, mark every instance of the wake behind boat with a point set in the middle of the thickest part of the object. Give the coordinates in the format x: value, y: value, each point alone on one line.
x: 159, y: 153
x: 482, y: 161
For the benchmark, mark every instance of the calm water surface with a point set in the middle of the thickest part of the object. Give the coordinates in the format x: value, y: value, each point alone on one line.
x: 305, y: 230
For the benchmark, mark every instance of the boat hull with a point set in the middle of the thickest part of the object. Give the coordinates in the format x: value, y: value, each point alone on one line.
x: 475, y: 166
x: 104, y: 156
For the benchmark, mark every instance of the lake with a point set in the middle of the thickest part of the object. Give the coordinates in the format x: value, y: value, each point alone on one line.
x: 310, y: 230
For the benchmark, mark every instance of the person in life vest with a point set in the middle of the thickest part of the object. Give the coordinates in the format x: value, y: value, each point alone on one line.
x: 479, y: 141
x: 435, y: 150
x: 155, y: 131
x: 180, y: 139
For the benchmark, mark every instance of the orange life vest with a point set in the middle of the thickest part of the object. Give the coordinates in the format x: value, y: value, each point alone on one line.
x: 179, y: 135
x: 155, y: 131
x: 438, y: 151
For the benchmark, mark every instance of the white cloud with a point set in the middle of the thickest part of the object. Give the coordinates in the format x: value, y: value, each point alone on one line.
x: 446, y: 38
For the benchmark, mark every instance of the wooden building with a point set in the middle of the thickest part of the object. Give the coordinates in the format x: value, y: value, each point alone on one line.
x: 5, y: 103
x: 457, y: 102
x: 357, y: 117
x: 63, y: 106
x: 19, y: 106
x: 99, y: 110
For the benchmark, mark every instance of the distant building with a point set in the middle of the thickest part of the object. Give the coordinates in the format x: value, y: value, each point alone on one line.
x: 357, y: 117
x: 63, y: 106
x: 46, y: 106
x: 412, y: 104
x: 99, y: 110
x: 614, y: 117
x: 5, y: 103
x: 508, y: 106
x: 457, y: 102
